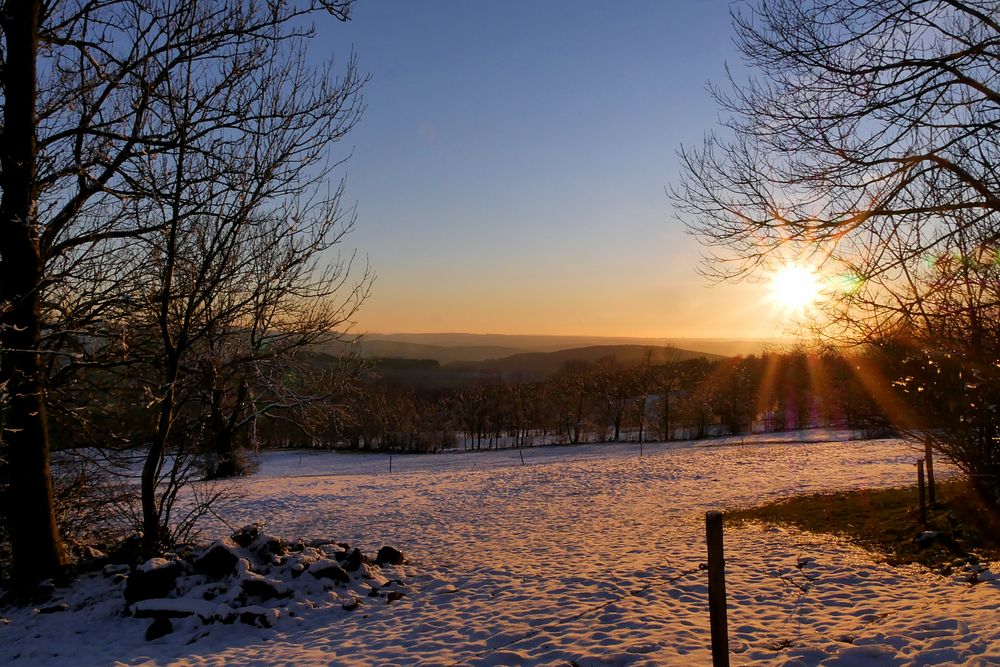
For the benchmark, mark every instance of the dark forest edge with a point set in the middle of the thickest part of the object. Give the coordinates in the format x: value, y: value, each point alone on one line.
x: 361, y: 405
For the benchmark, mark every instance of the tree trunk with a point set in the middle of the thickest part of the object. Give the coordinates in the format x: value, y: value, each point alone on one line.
x: 37, y: 549
x: 642, y: 417
x: 226, y: 463
x: 151, y: 536
x: 666, y: 418
x: 225, y: 457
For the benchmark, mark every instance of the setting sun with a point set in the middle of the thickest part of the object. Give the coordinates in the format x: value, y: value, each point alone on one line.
x: 795, y: 288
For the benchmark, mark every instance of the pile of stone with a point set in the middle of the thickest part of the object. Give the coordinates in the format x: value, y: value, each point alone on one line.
x: 256, y: 579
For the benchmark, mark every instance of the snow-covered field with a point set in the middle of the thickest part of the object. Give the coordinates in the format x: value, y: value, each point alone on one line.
x: 586, y: 554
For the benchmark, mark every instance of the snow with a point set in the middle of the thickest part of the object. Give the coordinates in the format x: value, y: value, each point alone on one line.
x: 154, y: 564
x: 205, y: 609
x: 585, y: 553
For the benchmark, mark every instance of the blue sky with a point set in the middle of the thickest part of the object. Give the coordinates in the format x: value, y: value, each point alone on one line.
x: 510, y: 168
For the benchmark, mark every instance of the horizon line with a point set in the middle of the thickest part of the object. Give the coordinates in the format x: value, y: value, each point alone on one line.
x: 574, y: 335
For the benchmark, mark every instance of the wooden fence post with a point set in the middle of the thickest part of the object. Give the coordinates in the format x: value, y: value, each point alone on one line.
x: 390, y: 462
x: 923, y: 494
x: 929, y: 457
x: 717, y: 590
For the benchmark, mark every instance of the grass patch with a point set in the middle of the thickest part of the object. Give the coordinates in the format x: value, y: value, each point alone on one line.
x: 886, y: 522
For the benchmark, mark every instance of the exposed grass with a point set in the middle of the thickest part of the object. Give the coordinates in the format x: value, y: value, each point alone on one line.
x: 886, y: 522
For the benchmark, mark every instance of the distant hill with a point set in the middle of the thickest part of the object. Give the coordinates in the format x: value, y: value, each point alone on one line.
x: 541, y: 364
x: 390, y: 361
x: 478, y: 347
x: 376, y: 347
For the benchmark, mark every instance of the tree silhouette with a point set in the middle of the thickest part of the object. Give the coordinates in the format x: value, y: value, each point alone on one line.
x: 108, y: 108
x: 864, y: 139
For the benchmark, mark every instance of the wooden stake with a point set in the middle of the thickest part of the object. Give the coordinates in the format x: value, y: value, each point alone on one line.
x: 923, y: 495
x: 929, y: 457
x: 717, y: 590
x: 522, y: 456
x: 390, y: 462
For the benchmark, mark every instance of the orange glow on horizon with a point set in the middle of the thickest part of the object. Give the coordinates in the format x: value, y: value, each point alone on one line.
x: 593, y: 306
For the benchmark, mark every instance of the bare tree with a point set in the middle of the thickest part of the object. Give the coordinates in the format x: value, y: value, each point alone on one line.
x: 574, y: 393
x: 235, y: 278
x: 101, y: 127
x: 863, y: 127
x: 865, y: 138
x: 950, y: 363
x: 237, y: 302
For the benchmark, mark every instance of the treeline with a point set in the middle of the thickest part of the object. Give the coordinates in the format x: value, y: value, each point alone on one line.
x: 603, y: 401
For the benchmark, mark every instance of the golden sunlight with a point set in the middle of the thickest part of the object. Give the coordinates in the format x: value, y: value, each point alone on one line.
x: 795, y: 288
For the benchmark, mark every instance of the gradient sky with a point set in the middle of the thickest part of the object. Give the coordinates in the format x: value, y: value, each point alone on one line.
x: 510, y: 168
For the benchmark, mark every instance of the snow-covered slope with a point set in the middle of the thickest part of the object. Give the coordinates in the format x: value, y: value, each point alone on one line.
x: 587, y: 554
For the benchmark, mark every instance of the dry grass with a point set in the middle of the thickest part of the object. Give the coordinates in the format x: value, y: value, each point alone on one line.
x: 887, y: 523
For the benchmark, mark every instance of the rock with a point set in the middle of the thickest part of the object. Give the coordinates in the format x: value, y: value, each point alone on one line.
x: 128, y: 552
x: 263, y: 589
x: 113, y: 569
x: 927, y: 538
x: 352, y: 605
x: 258, y: 617
x: 54, y: 608
x: 389, y: 556
x: 217, y: 563
x: 354, y: 560
x: 64, y: 577
x: 155, y: 581
x: 181, y: 608
x: 246, y: 535
x: 43, y: 592
x: 373, y: 592
x: 330, y: 570
x: 273, y: 547
x: 393, y: 596
x: 317, y: 544
x: 160, y: 627
x: 89, y: 552
x: 153, y: 612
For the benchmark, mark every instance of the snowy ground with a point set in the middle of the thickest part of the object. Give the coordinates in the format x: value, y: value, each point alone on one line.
x: 584, y: 554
